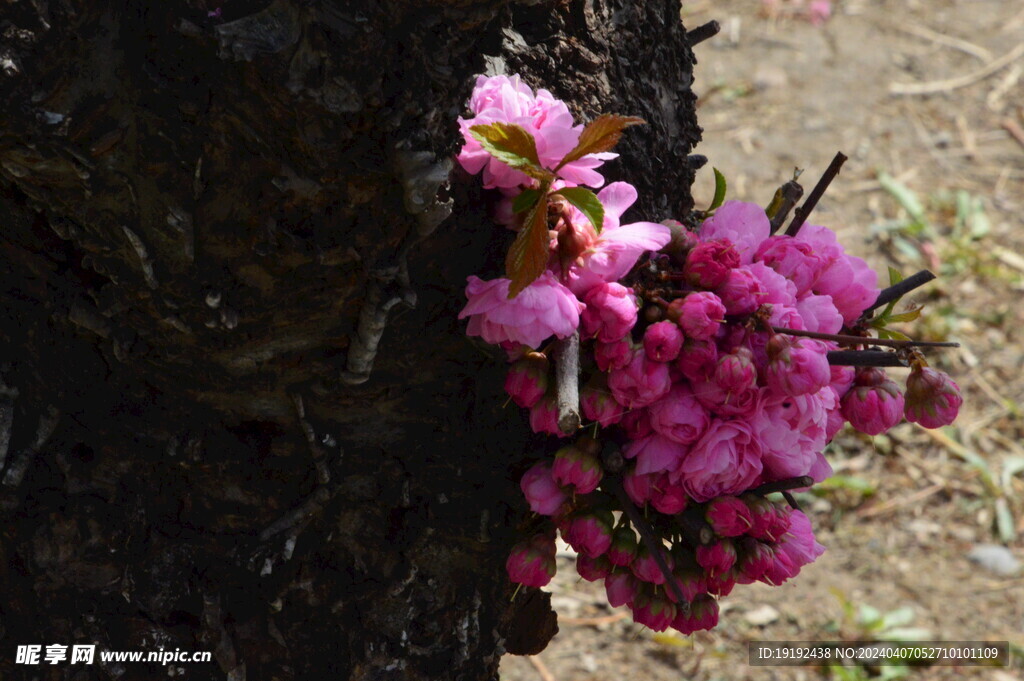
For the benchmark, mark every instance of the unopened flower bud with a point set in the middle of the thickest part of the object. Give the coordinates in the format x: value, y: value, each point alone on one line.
x: 708, y: 264
x: 663, y: 341
x: 529, y: 565
x: 654, y: 611
x: 527, y: 379
x: 728, y: 516
x: 932, y: 399
x: 541, y: 491
x: 624, y: 547
x: 577, y: 470
x: 874, y: 404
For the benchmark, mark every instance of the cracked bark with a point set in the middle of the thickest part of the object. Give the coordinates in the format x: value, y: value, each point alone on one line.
x: 196, y: 211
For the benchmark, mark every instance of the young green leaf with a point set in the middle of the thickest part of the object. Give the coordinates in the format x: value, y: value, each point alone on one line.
x: 525, y: 200
x: 513, y: 145
x: 587, y: 202
x: 602, y: 134
x: 720, y: 187
x: 908, y: 316
x: 528, y: 255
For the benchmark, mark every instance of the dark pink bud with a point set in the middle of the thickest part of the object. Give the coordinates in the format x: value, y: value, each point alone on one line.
x: 874, y: 404
x: 742, y: 292
x: 682, y: 242
x: 932, y: 399
x: 708, y: 264
x: 610, y: 312
x: 646, y: 569
x: 770, y: 522
x: 544, y: 417
x: 615, y: 355
x: 621, y: 588
x: 663, y: 341
x: 755, y: 558
x: 701, y: 616
x: 697, y: 359
x: 692, y: 582
x: 590, y: 533
x: 624, y: 547
x: 722, y: 585
x: 653, y: 611
x: 531, y: 564
x: 576, y: 469
x: 527, y: 379
x: 638, y: 487
x: 668, y: 498
x: 701, y: 314
x: 598, y: 404
x: 592, y: 569
x: 717, y: 557
x: 541, y: 491
x: 636, y: 423
x: 729, y: 516
x: 735, y: 372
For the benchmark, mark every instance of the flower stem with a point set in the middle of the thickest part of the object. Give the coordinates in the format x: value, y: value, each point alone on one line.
x: 801, y: 213
x: 863, y: 340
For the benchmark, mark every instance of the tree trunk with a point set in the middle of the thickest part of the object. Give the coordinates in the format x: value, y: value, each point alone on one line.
x: 206, y: 222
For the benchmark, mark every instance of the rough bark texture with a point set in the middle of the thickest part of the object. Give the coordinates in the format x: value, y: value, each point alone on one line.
x: 197, y: 213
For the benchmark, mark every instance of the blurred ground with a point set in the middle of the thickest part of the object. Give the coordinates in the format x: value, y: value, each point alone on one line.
x: 934, y: 181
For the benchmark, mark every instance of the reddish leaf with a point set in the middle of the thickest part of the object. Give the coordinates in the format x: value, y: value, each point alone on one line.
x: 511, y: 144
x: 602, y: 134
x: 528, y: 256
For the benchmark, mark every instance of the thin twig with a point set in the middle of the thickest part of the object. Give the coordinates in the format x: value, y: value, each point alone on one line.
x: 863, y: 340
x: 542, y: 669
x: 1011, y: 126
x: 801, y: 213
x: 783, y: 202
x: 943, y: 39
x: 864, y: 358
x: 703, y: 32
x: 567, y: 383
x: 783, y: 485
x: 900, y: 289
x: 960, y: 81
x: 654, y: 547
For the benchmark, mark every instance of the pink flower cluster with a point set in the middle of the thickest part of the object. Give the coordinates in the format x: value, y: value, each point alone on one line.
x: 696, y: 368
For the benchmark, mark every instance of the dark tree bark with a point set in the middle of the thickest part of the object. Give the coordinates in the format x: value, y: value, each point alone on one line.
x: 205, y: 222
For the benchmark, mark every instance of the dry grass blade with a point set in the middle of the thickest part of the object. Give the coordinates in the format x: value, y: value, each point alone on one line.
x: 948, y: 84
x: 542, y: 669
x: 947, y: 40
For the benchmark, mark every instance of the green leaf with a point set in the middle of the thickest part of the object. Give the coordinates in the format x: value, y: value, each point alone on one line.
x: 906, y: 197
x: 602, y: 134
x: 513, y: 145
x: 525, y: 200
x: 893, y: 335
x: 908, y: 316
x: 894, y: 276
x: 1012, y: 465
x: 528, y: 256
x: 1005, y: 526
x: 720, y: 187
x: 900, y: 617
x: 587, y: 202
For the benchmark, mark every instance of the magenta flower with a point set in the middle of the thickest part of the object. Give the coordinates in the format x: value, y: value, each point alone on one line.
x: 932, y: 399
x: 796, y: 366
x: 699, y: 314
x: 610, y: 312
x: 621, y: 588
x: 796, y: 549
x: 794, y: 259
x: 744, y: 224
x: 663, y: 341
x: 819, y: 314
x: 576, y: 469
x: 640, y: 383
x: 636, y: 424
x: 541, y: 491
x: 848, y: 280
x: 542, y: 309
x: 793, y: 431
x: 709, y: 263
x: 532, y: 563
x: 874, y: 404
x: 508, y: 100
x: 728, y: 516
x: 726, y: 460
x: 679, y: 416
x: 655, y: 453
x: 527, y: 379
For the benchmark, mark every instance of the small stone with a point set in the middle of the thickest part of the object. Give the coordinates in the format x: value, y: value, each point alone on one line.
x: 995, y: 558
x: 761, y: 616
